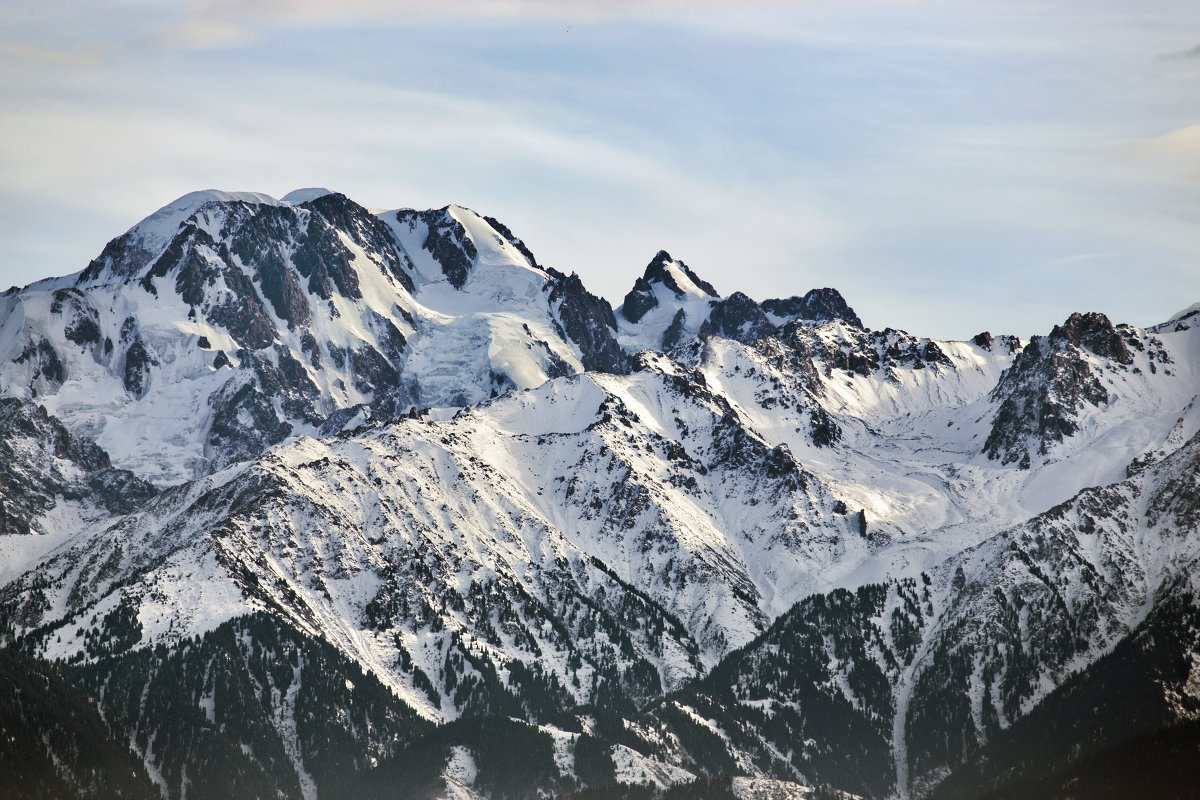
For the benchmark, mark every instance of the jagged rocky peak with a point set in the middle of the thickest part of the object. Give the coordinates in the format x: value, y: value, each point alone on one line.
x: 667, y: 273
x: 194, y: 241
x: 882, y: 353
x: 1094, y: 332
x: 588, y: 321
x: 739, y: 318
x: 242, y: 266
x: 1050, y: 383
x: 986, y: 341
x: 446, y: 240
x: 127, y: 255
x: 818, y: 306
x: 666, y: 270
x: 458, y: 239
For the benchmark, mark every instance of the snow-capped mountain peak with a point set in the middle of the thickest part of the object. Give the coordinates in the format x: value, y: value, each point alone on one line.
x: 299, y: 196
x: 131, y: 252
x: 270, y: 318
x: 665, y: 283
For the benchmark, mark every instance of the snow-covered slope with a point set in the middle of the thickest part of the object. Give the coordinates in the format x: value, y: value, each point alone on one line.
x: 625, y: 529
x: 886, y: 689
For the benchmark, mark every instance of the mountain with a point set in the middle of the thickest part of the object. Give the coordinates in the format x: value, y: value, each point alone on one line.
x: 232, y: 321
x: 301, y: 499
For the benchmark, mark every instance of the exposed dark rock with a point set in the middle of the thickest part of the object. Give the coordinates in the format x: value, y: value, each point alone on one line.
x: 1041, y: 394
x: 371, y: 370
x: 514, y: 241
x: 866, y: 352
x: 61, y: 296
x: 737, y: 317
x: 285, y: 379
x: 328, y: 259
x: 791, y: 352
x: 324, y: 260
x: 1009, y: 344
x: 391, y: 339
x: 673, y: 335
x: 823, y: 430
x: 656, y: 272
x: 46, y: 364
x: 85, y: 329
x: 124, y: 257
x: 556, y: 367
x: 197, y: 261
x: 447, y: 241
x: 1094, y: 332
x: 136, y: 375
x: 192, y: 277
x: 904, y: 349
x: 641, y: 297
x: 309, y: 346
x: 82, y: 324
x: 242, y: 313
x: 34, y: 449
x: 374, y: 375
x: 337, y: 420
x: 259, y: 236
x: 734, y: 446
x: 818, y: 306
x: 336, y: 354
x: 639, y: 300
x: 1185, y: 320
x: 244, y: 422
x: 588, y: 321
x: 192, y: 271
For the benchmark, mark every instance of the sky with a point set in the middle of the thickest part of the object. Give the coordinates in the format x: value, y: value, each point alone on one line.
x: 950, y: 167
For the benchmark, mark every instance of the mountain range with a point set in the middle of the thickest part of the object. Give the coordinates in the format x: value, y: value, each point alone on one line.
x: 303, y: 499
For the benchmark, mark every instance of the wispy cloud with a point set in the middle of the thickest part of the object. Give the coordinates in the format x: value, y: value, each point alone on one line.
x: 928, y: 159
x: 80, y: 57
x: 1191, y: 54
x: 214, y: 24
x: 1173, y: 156
x: 206, y: 33
x: 323, y: 11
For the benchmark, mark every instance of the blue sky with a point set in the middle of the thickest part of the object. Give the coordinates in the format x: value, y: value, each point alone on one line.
x: 949, y: 166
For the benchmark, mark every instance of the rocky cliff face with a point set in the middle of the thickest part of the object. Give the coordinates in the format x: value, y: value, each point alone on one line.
x: 51, y: 479
x: 816, y: 307
x: 1056, y: 378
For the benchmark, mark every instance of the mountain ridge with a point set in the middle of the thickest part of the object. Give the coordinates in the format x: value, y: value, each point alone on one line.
x: 456, y: 474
